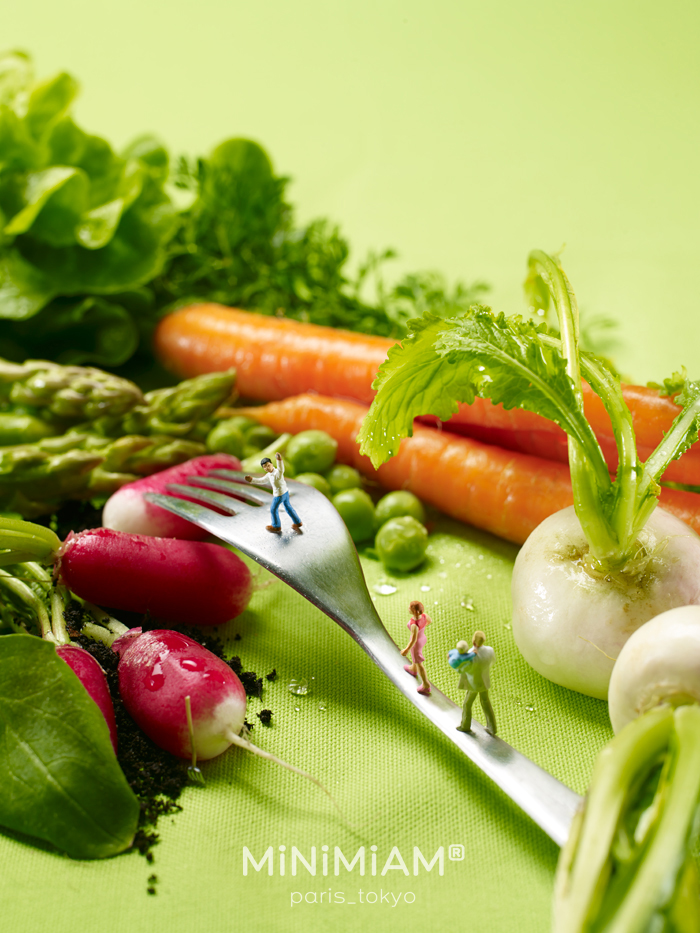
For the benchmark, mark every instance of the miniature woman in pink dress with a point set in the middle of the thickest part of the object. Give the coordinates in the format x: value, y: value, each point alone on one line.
x: 416, y: 627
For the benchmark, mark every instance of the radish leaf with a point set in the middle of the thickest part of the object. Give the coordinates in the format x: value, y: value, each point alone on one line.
x: 60, y: 778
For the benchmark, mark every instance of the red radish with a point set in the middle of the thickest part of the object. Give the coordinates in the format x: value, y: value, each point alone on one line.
x: 182, y: 581
x: 92, y: 677
x: 160, y: 672
x: 157, y: 670
x: 127, y: 510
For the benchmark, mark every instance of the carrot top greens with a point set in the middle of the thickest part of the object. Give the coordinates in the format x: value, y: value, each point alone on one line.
x: 520, y: 364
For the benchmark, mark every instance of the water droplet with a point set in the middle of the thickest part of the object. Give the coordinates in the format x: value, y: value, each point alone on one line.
x: 195, y: 776
x: 442, y: 575
x: 322, y: 707
x: 384, y: 589
x: 442, y: 560
x: 425, y: 588
x: 530, y: 709
x: 468, y: 603
x: 508, y: 626
x: 297, y: 709
x: 489, y: 576
x: 299, y: 688
x: 157, y: 679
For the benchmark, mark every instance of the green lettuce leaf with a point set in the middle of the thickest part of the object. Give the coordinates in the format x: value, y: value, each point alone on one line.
x: 77, y: 219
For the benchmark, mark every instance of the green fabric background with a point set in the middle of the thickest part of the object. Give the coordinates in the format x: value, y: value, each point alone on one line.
x: 464, y: 134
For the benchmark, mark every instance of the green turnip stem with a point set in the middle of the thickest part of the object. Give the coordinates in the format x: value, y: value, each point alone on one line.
x: 658, y: 877
x: 22, y: 541
x: 244, y: 743
x: 29, y: 597
x: 98, y: 633
x: 673, y: 442
x: 611, y: 514
x: 109, y: 622
x: 608, y: 881
x: 58, y: 622
x: 589, y: 474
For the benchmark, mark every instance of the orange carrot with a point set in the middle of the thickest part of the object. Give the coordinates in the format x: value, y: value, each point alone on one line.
x: 276, y: 358
x: 504, y: 492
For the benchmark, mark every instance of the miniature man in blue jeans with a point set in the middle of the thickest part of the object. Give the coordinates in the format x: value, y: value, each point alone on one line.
x: 275, y: 477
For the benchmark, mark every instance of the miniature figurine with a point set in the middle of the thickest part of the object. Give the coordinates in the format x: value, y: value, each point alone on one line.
x: 275, y: 477
x: 473, y: 665
x: 416, y: 627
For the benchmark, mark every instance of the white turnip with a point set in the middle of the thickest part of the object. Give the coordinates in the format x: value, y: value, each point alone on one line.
x: 570, y: 621
x: 659, y: 664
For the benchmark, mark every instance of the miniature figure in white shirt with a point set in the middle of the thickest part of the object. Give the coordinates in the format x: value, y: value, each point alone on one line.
x: 280, y: 496
x: 473, y: 665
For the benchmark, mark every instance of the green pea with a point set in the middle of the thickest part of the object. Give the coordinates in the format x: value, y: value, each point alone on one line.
x: 317, y: 481
x: 357, y: 511
x: 226, y: 438
x: 396, y: 504
x: 249, y: 451
x: 342, y: 477
x: 260, y: 436
x: 243, y: 423
x: 311, y: 451
x: 401, y: 543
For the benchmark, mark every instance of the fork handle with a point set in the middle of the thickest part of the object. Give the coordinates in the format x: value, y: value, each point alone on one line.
x: 546, y: 800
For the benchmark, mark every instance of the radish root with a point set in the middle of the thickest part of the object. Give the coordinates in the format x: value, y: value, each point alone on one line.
x: 248, y: 746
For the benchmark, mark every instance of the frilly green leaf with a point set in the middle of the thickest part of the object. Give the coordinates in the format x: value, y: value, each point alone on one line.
x: 443, y: 362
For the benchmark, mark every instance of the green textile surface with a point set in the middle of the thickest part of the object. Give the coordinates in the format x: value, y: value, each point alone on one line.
x: 398, y: 781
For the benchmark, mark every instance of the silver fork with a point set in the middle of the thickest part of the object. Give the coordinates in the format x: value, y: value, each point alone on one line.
x: 321, y: 563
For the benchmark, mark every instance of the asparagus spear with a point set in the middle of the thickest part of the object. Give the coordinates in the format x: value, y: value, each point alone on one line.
x: 69, y: 393
x: 123, y: 435
x: 36, y: 478
x: 180, y: 409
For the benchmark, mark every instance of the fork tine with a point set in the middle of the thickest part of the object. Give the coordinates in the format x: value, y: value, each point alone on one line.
x: 229, y: 474
x: 187, y: 510
x: 234, y: 489
x: 217, y: 499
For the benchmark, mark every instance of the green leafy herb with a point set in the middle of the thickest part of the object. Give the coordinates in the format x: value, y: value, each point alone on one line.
x: 237, y: 244
x: 60, y: 777
x: 672, y: 386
